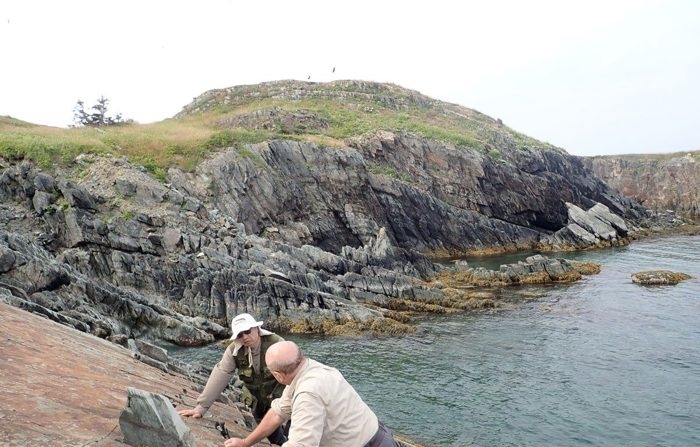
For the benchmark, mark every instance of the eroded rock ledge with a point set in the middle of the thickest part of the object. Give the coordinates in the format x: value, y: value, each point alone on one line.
x: 309, y: 238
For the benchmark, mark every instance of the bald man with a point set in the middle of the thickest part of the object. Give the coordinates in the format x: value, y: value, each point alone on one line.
x: 325, y: 410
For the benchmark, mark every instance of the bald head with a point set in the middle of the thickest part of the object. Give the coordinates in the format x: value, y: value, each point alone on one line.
x: 284, y: 356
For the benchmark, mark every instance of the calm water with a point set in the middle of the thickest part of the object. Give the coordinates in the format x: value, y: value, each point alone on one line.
x: 602, y: 362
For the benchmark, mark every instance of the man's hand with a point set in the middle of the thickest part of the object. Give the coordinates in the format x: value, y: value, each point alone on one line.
x: 235, y: 442
x: 193, y: 413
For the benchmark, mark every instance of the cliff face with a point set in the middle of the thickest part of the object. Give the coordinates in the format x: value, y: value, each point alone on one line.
x: 309, y: 236
x: 299, y: 234
x: 657, y: 182
x: 429, y: 196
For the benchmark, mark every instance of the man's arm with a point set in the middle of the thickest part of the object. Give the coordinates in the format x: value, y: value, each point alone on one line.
x: 267, y: 425
x: 219, y: 378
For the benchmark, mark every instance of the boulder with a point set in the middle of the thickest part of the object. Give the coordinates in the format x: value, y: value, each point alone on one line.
x: 659, y: 277
x: 150, y: 419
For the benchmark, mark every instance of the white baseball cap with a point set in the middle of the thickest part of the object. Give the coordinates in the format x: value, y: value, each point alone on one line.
x: 242, y: 323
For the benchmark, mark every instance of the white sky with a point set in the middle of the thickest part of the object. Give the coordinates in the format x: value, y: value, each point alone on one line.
x: 594, y: 77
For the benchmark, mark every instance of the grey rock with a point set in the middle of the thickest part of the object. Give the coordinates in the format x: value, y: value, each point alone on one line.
x: 42, y: 201
x: 339, y: 226
x: 7, y: 259
x: 590, y: 222
x: 125, y: 187
x: 150, y: 350
x: 150, y: 419
x: 44, y: 182
x: 78, y: 197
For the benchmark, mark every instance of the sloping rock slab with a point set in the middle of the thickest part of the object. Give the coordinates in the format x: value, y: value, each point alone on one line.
x: 659, y: 277
x: 62, y: 387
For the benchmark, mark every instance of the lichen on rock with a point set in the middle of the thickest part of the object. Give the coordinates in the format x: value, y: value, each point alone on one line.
x: 659, y: 277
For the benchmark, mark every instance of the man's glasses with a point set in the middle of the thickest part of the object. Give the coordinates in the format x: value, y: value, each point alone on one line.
x: 242, y: 333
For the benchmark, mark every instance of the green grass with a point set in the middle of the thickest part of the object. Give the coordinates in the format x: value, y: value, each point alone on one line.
x: 164, y: 144
x: 391, y: 172
x: 233, y: 137
x: 46, y: 148
x: 496, y: 155
x: 185, y: 141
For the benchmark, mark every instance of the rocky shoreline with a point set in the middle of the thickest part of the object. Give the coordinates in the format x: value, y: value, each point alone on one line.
x: 311, y: 233
x: 110, y: 250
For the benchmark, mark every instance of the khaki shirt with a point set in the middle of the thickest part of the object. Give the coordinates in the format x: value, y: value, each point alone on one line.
x: 223, y: 372
x: 325, y: 410
x: 219, y: 378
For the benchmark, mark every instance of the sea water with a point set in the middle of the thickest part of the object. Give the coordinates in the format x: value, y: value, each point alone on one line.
x: 601, y: 362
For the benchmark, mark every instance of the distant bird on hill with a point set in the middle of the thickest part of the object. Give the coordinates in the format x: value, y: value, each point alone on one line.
x: 333, y: 70
x: 308, y: 77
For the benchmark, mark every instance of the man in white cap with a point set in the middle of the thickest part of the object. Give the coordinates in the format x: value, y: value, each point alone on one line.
x: 247, y: 355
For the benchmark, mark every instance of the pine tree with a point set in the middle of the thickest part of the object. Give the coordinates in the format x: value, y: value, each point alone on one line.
x: 96, y: 116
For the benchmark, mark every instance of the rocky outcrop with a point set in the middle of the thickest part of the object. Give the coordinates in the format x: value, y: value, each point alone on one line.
x: 429, y: 196
x: 112, y: 251
x: 536, y: 269
x: 121, y: 253
x: 597, y: 226
x: 277, y: 119
x: 659, y: 277
x: 658, y: 182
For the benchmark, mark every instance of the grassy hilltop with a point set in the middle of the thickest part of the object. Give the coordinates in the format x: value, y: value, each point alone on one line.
x: 324, y: 113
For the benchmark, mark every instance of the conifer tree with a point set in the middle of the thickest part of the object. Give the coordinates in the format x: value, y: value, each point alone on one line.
x: 96, y: 116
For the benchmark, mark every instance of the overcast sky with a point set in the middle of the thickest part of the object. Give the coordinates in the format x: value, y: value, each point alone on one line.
x: 594, y: 77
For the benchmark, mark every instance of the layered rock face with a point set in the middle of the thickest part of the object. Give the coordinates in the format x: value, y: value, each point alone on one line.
x: 304, y: 235
x: 658, y: 182
x: 293, y: 232
x: 429, y: 196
